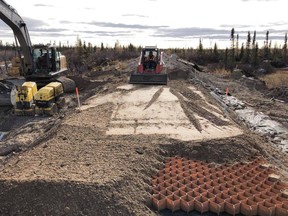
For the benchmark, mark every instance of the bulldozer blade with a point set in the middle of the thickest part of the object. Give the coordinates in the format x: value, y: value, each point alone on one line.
x: 160, y: 79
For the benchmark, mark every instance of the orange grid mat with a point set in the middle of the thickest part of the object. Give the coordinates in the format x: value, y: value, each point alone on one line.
x: 246, y: 188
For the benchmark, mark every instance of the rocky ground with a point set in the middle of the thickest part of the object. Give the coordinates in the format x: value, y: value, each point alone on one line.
x: 99, y: 159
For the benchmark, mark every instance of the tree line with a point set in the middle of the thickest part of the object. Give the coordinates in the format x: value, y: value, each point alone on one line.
x: 85, y: 56
x: 248, y: 53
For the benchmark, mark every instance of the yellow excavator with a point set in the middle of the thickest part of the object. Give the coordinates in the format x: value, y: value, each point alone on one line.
x: 39, y: 63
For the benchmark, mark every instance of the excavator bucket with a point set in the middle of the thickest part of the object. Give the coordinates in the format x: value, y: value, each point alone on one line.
x: 159, y: 79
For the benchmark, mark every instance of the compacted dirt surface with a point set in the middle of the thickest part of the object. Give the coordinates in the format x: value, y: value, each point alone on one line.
x: 99, y: 159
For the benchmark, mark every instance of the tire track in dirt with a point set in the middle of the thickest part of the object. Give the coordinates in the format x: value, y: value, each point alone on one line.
x: 154, y: 98
x: 188, y: 112
x: 197, y: 105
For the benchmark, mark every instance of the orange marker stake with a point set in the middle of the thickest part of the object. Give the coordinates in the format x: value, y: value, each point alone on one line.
x: 227, y: 91
x: 77, y: 94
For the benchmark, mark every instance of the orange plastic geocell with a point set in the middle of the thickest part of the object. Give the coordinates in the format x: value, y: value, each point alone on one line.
x: 281, y: 186
x: 184, y: 191
x: 178, y: 184
x: 191, y: 185
x: 214, y: 190
x: 230, y: 193
x: 264, y: 197
x: 173, y: 203
x: 249, y: 208
x: 159, y: 201
x: 223, y: 196
x: 187, y: 203
x: 240, y: 187
x: 280, y: 198
x: 201, y: 204
x: 266, y: 208
x: 157, y: 189
x: 170, y: 181
x: 156, y: 181
x: 232, y: 206
x: 172, y: 189
x: 281, y: 210
x: 166, y: 192
x: 212, y: 184
x: 216, y: 205
x: 247, y: 194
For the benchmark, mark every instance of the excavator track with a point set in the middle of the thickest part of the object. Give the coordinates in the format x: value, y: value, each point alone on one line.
x: 69, y: 85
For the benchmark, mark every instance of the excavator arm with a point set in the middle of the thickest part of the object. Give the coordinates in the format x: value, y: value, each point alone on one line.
x: 10, y: 16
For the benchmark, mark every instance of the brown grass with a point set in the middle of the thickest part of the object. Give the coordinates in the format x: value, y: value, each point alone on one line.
x: 221, y: 72
x: 277, y: 79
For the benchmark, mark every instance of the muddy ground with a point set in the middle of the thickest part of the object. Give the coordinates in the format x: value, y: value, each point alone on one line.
x: 99, y: 160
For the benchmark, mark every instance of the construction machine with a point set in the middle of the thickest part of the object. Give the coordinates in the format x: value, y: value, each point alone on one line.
x: 25, y: 99
x: 150, y: 69
x: 39, y: 63
x: 49, y: 99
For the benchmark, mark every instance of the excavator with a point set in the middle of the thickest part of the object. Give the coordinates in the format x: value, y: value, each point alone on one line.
x: 41, y: 64
x: 150, y: 69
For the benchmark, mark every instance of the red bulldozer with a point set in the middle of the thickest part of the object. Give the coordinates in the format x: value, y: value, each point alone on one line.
x: 150, y: 68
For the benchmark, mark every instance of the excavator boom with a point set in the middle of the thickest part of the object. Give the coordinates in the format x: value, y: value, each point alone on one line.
x: 10, y: 16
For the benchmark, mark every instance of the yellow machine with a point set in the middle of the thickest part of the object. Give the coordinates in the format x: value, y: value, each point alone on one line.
x: 49, y: 99
x: 25, y: 99
x: 38, y: 63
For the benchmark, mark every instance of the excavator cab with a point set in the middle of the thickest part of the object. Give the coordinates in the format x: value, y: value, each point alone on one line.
x: 48, y: 60
x: 150, y: 69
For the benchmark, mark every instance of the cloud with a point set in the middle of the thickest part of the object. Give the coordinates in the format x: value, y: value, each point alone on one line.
x: 34, y: 23
x: 89, y: 8
x: 134, y: 15
x: 46, y: 30
x: 235, y: 26
x: 190, y: 32
x: 107, y: 33
x: 115, y: 25
x: 42, y: 5
x: 122, y: 25
x: 31, y: 24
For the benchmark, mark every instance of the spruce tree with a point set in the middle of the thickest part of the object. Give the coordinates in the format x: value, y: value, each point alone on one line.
x: 237, y: 48
x: 232, y: 38
x: 248, y: 45
x: 266, y: 46
x: 241, y: 55
x: 215, y: 53
x: 285, y: 49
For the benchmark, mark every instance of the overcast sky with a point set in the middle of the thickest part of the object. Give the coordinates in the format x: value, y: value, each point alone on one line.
x: 164, y: 23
